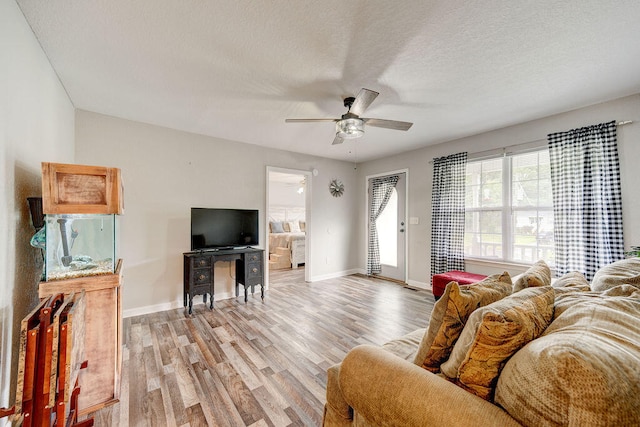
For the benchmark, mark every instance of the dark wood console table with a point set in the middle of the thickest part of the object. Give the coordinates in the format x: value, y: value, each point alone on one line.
x: 199, y: 276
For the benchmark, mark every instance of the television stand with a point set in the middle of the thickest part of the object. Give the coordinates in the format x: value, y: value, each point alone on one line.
x: 199, y: 272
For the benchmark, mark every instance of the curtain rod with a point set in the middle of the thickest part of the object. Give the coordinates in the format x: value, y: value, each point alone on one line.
x: 509, y: 150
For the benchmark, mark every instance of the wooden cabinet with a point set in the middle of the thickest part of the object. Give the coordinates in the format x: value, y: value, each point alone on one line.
x: 199, y: 272
x: 249, y: 273
x: 100, y: 381
x: 198, y: 278
x: 81, y: 189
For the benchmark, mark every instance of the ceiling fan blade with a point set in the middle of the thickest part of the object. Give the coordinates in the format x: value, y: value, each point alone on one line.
x: 364, y: 98
x: 389, y: 124
x: 309, y: 120
x: 337, y: 140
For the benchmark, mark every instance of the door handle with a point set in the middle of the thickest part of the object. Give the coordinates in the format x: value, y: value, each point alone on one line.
x: 402, y: 230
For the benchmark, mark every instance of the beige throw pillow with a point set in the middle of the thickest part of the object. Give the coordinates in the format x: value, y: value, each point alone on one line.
x: 570, y: 283
x: 623, y: 272
x: 493, y: 334
x: 574, y: 279
x: 584, y: 370
x: 451, y: 312
x: 538, y: 274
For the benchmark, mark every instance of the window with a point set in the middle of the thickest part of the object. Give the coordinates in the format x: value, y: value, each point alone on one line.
x: 509, y: 208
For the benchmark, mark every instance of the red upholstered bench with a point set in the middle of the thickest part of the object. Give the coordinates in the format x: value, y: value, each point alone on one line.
x: 439, y: 281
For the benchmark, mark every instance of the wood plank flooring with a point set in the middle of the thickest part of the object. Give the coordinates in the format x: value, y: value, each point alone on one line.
x: 259, y: 363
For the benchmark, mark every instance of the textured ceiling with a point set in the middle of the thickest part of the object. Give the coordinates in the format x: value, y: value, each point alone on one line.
x: 236, y: 69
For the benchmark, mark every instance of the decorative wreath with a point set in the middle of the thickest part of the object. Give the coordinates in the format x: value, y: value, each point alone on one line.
x: 336, y: 188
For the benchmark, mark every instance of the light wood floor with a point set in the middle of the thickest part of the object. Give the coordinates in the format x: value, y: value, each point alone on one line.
x: 259, y: 363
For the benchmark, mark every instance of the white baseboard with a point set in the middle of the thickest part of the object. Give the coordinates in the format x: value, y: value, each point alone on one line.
x: 337, y: 274
x: 139, y: 311
x: 419, y: 285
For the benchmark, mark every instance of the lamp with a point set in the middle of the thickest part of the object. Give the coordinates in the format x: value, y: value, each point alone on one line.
x: 35, y: 208
x: 350, y: 128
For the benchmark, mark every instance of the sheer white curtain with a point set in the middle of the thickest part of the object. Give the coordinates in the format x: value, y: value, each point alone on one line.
x: 381, y: 190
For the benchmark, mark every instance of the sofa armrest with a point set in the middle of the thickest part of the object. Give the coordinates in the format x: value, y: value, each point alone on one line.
x: 337, y: 412
x: 386, y: 390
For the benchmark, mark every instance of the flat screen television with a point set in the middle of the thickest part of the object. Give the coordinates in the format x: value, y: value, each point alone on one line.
x: 214, y: 228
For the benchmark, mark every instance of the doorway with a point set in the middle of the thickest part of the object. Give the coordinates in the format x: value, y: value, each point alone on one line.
x: 287, y: 223
x: 391, y: 226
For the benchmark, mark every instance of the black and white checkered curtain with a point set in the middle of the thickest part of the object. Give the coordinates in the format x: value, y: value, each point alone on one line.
x: 381, y: 190
x: 587, y: 202
x: 447, y: 222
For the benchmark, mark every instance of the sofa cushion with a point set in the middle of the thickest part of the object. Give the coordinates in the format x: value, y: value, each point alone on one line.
x: 493, y: 334
x: 623, y: 272
x: 570, y: 283
x: 406, y: 346
x: 384, y: 390
x: 451, y: 312
x: 537, y: 275
x: 584, y: 369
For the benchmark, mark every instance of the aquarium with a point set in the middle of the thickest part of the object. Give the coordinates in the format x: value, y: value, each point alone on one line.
x: 79, y: 245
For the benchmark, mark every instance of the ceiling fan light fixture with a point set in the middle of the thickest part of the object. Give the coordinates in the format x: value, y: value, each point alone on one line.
x: 350, y: 128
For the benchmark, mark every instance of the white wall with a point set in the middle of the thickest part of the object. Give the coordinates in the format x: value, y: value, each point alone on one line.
x: 421, y: 174
x: 282, y: 194
x: 36, y: 125
x: 166, y: 172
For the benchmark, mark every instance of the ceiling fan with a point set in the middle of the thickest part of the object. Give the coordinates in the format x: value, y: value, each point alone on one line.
x: 351, y: 125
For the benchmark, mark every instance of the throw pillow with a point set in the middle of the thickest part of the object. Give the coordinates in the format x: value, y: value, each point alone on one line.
x: 451, y: 312
x: 538, y: 274
x: 570, y: 283
x: 303, y: 226
x: 573, y: 279
x: 493, y: 334
x: 584, y: 369
x: 623, y: 272
x: 277, y: 227
x: 294, y: 227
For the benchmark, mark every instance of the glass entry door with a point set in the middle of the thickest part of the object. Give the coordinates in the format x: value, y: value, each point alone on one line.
x: 391, y: 226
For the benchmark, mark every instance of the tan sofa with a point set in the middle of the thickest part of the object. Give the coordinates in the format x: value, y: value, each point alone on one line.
x: 582, y: 369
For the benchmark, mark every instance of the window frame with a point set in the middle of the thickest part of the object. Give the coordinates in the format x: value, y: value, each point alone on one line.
x: 508, y: 211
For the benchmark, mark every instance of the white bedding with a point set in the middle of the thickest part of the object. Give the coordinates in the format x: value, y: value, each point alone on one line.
x: 283, y: 240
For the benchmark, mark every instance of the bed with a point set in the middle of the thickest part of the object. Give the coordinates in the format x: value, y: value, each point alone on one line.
x: 289, y: 236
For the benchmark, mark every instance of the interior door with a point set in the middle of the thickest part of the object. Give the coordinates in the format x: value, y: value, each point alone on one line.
x: 288, y: 199
x: 392, y: 226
